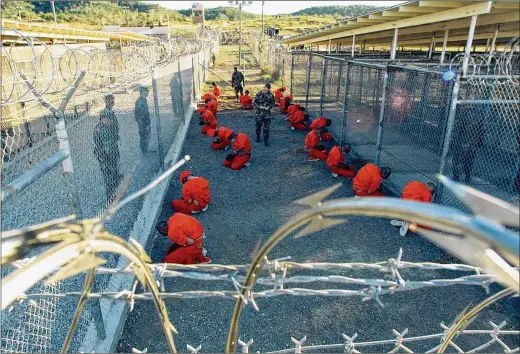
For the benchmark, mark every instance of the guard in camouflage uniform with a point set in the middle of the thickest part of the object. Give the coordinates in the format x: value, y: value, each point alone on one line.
x: 106, y: 148
x: 237, y: 82
x: 142, y: 116
x: 263, y: 102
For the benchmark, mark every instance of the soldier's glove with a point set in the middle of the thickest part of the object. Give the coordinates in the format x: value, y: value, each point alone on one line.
x: 230, y: 157
x: 321, y: 147
x: 202, y: 122
x: 162, y: 228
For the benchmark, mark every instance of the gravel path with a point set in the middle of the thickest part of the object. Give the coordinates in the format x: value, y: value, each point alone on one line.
x: 247, y: 207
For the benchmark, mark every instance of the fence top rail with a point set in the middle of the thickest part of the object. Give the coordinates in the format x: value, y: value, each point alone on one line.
x: 408, y: 68
x: 367, y: 65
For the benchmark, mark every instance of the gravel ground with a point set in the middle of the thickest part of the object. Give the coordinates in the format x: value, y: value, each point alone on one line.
x: 247, y: 207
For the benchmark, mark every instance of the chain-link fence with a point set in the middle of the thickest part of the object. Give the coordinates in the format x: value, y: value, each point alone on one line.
x: 67, y: 149
x: 408, y: 116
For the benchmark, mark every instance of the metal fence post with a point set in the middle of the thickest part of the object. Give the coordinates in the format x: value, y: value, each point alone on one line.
x: 449, y: 132
x: 381, y: 117
x: 308, y: 81
x: 292, y: 73
x: 158, y: 118
x: 283, y: 70
x: 323, y: 75
x: 193, y: 76
x: 345, y: 106
x: 180, y: 89
x: 339, y: 79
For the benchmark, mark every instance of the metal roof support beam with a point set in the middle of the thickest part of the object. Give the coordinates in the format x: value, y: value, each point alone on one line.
x: 469, y: 42
x: 353, y: 45
x: 444, y: 44
x: 432, y: 46
x: 393, y: 50
x: 494, y: 40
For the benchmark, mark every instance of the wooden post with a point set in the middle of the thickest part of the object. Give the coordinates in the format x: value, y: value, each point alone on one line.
x: 469, y: 42
x: 393, y: 50
x: 353, y: 45
x: 444, y: 45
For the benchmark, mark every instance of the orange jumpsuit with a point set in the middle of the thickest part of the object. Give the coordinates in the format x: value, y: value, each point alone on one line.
x: 335, y: 163
x: 278, y: 94
x: 223, y: 135
x: 242, y: 152
x: 367, y: 181
x: 216, y: 91
x: 195, y: 196
x: 312, y: 140
x: 246, y: 102
x: 210, y: 120
x: 293, y: 108
x: 417, y: 191
x: 180, y: 227
x: 321, y: 122
x: 284, y: 104
x: 213, y: 107
x: 210, y: 96
x: 297, y: 120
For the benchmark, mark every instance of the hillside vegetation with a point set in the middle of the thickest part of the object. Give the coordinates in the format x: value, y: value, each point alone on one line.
x: 343, y: 11
x: 95, y: 14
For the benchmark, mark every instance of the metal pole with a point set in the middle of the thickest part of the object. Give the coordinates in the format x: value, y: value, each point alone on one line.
x: 309, y: 65
x: 487, y: 45
x: 193, y: 76
x: 240, y: 34
x: 337, y: 47
x: 283, y: 70
x: 330, y: 46
x: 20, y: 183
x: 54, y: 12
x: 339, y: 80
x: 263, y: 34
x: 323, y: 75
x: 345, y: 103
x: 181, y: 91
x: 244, y: 70
x: 469, y: 42
x: 493, y: 43
x: 432, y: 46
x: 444, y: 45
x: 353, y: 45
x: 292, y: 73
x: 449, y: 132
x: 158, y: 117
x: 393, y: 50
x: 381, y: 117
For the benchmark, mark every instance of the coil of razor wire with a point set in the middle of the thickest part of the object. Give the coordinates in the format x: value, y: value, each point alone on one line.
x: 53, y: 68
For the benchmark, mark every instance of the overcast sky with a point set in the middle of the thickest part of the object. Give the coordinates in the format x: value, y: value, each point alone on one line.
x: 272, y: 7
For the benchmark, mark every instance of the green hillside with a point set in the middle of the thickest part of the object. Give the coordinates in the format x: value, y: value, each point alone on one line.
x: 337, y: 11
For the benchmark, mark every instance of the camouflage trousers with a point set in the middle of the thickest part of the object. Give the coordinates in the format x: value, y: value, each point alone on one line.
x: 263, y: 119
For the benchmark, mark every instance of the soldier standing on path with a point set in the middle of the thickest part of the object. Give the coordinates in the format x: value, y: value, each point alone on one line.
x: 142, y: 116
x: 263, y: 102
x: 106, y: 148
x: 237, y: 82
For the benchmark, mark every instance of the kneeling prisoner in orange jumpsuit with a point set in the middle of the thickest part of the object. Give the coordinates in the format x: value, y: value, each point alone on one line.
x: 222, y: 136
x: 278, y: 94
x: 195, y: 194
x: 246, y: 101
x: 321, y: 123
x: 367, y: 182
x: 298, y: 119
x: 336, y: 162
x: 285, y: 103
x: 207, y: 119
x: 312, y: 144
x: 241, y: 152
x: 187, y: 236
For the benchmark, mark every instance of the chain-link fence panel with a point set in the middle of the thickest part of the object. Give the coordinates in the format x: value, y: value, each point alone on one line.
x: 415, y: 117
x: 298, y: 77
x: 483, y: 151
x: 315, y: 75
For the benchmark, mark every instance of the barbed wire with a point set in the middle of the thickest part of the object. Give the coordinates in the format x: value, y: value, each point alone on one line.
x: 53, y: 68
